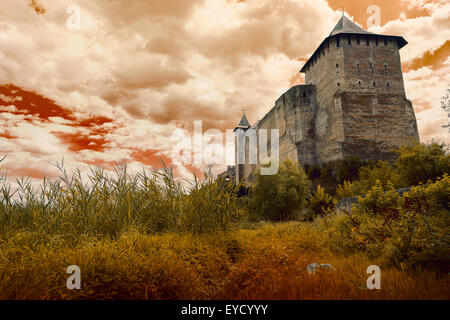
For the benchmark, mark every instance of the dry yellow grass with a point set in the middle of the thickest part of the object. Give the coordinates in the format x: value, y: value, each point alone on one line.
x: 266, y: 263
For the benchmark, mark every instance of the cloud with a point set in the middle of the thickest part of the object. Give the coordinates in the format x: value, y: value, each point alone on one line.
x: 118, y: 88
x: 150, y: 72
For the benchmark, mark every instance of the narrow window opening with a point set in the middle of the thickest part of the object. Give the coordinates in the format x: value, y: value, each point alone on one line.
x: 376, y: 41
x: 359, y: 82
x: 304, y: 94
x: 349, y: 40
x: 367, y: 40
x: 373, y: 83
x: 385, y: 41
x: 388, y: 85
x: 339, y: 84
x: 337, y: 41
x: 357, y: 39
x: 337, y: 65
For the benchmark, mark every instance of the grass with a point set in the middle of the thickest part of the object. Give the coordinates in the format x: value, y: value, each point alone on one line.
x: 266, y: 263
x: 147, y: 237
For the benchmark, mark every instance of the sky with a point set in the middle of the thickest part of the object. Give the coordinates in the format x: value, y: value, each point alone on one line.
x: 93, y: 82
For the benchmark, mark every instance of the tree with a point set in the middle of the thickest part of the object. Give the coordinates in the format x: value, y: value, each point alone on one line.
x: 281, y: 197
x: 419, y: 162
x: 321, y: 203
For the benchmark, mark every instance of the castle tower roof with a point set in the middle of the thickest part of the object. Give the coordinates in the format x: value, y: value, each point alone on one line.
x: 244, y: 124
x: 346, y: 26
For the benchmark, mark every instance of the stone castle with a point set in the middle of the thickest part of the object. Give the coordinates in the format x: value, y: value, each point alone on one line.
x: 353, y: 102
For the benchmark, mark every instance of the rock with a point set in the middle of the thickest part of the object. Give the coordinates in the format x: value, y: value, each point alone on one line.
x: 314, y: 267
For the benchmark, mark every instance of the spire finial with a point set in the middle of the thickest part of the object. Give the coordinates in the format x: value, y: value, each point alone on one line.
x: 342, y: 10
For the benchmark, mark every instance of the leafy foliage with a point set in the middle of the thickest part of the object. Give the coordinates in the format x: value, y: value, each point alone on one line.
x: 321, y: 203
x: 420, y: 162
x: 409, y: 229
x: 330, y: 174
x: 282, y: 196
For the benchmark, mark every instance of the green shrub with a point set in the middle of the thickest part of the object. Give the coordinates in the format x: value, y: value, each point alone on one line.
x: 321, y: 203
x: 282, y: 196
x: 381, y: 172
x: 419, y: 162
x: 408, y: 229
x: 348, y: 190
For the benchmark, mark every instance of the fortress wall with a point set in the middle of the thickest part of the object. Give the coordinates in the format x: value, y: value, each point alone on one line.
x: 365, y: 64
x: 376, y: 124
x: 327, y: 74
x: 293, y: 116
x: 375, y: 116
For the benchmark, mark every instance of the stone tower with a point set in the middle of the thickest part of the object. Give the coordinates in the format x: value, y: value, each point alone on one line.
x: 353, y: 103
x: 361, y: 106
x: 240, y: 170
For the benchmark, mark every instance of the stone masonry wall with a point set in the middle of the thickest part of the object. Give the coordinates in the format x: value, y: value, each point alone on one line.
x: 293, y: 116
x: 353, y: 103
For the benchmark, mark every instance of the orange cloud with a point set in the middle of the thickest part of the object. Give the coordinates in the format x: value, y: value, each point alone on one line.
x: 389, y: 10
x: 433, y: 59
x: 29, y: 102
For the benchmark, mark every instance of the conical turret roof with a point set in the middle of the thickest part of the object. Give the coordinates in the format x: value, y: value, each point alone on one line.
x: 244, y: 124
x: 345, y: 25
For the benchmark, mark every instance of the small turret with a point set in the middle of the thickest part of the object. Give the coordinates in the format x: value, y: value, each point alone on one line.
x: 244, y: 124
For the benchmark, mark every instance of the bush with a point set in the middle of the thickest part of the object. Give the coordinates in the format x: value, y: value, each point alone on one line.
x: 321, y: 203
x: 420, y: 162
x: 381, y: 172
x: 409, y: 229
x: 330, y: 174
x: 281, y: 197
